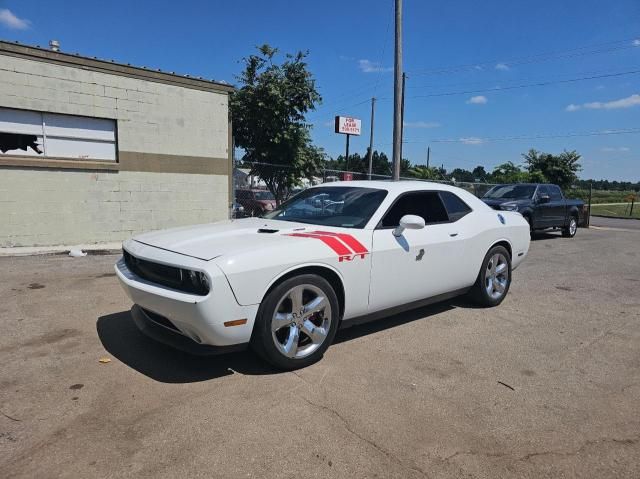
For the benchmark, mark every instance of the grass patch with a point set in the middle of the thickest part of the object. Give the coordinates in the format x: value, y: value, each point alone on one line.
x: 621, y: 211
x: 599, y: 196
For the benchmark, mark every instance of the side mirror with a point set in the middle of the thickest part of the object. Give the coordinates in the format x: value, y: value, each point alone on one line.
x: 409, y: 222
x: 544, y: 199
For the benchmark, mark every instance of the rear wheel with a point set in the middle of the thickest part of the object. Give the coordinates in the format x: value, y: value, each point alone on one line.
x: 296, y: 322
x: 494, y: 278
x: 569, y: 231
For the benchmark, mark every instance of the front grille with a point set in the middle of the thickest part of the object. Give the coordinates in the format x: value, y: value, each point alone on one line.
x: 169, y: 276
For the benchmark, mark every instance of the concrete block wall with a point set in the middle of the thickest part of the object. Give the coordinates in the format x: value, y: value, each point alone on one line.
x: 62, y: 207
x: 173, y: 146
x: 152, y: 117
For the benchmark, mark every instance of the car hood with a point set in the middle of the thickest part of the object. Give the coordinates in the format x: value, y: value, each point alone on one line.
x: 210, y: 241
x: 495, y: 203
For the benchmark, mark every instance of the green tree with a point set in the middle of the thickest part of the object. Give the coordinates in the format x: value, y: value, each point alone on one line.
x: 460, y: 174
x: 422, y: 172
x: 559, y: 169
x: 508, y: 173
x: 268, y: 113
x: 479, y: 173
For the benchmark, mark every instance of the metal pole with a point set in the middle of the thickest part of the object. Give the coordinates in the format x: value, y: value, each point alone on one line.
x: 397, y: 94
x: 346, y: 158
x: 589, y: 209
x: 373, y: 111
x: 428, y: 155
x: 404, y: 79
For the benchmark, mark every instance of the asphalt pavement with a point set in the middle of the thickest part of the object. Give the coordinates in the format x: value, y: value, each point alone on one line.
x: 545, y: 385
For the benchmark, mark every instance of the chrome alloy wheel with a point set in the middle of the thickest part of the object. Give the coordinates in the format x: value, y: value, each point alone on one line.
x: 301, y: 321
x: 496, y: 277
x: 573, y: 226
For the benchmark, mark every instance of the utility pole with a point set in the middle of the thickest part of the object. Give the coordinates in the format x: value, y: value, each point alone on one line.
x: 373, y: 111
x: 346, y: 157
x: 428, y: 155
x: 404, y: 80
x: 397, y: 94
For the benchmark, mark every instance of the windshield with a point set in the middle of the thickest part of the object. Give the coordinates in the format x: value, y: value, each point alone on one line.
x: 264, y: 195
x: 343, y: 206
x: 512, y: 192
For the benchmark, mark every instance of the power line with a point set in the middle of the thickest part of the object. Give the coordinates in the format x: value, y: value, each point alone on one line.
x: 477, y: 140
x: 528, y: 85
x: 596, y: 49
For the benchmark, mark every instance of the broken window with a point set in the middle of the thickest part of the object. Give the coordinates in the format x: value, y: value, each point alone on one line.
x: 18, y: 141
x: 31, y: 133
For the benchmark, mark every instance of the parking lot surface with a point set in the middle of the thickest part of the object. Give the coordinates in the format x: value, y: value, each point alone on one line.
x: 545, y: 385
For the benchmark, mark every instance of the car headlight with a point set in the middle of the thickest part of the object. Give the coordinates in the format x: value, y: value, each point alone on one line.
x: 198, y: 282
x: 509, y: 206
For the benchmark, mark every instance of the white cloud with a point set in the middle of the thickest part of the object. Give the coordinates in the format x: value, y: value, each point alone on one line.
x: 472, y: 140
x: 9, y: 20
x: 636, y: 42
x: 477, y: 100
x: 421, y: 124
x: 330, y: 123
x: 628, y: 102
x: 367, y: 66
x: 502, y: 66
x: 616, y: 148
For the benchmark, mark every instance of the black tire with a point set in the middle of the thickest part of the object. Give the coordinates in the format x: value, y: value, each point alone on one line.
x: 263, y: 340
x: 571, y: 228
x: 479, y: 292
x: 528, y: 219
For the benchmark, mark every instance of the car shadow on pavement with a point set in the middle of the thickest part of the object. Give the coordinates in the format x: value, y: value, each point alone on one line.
x: 122, y: 339
x: 387, y: 322
x: 546, y: 235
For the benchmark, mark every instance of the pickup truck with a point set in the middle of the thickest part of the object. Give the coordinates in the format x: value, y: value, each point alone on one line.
x: 542, y: 205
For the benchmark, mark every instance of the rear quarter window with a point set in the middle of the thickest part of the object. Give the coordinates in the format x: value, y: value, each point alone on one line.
x: 456, y: 208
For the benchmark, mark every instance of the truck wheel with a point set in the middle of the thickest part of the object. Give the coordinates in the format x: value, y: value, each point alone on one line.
x: 296, y: 322
x: 494, y: 278
x: 528, y: 220
x: 570, y: 230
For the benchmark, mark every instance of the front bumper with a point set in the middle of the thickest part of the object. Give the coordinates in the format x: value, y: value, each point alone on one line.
x: 199, y: 319
x: 162, y: 334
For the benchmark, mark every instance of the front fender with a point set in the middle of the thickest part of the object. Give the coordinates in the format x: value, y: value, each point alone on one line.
x: 252, y: 273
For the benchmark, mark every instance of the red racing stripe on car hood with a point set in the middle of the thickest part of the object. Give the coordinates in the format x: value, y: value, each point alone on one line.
x: 350, y: 241
x: 330, y: 241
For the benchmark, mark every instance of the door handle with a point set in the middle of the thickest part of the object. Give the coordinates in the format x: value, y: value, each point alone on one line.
x: 453, y: 235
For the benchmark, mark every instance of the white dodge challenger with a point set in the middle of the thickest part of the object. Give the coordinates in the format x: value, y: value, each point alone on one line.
x: 331, y: 256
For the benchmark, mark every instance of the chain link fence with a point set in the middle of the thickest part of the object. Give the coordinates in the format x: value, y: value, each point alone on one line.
x: 252, y: 197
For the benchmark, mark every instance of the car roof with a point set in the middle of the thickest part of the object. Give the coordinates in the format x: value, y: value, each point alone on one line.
x: 393, y: 186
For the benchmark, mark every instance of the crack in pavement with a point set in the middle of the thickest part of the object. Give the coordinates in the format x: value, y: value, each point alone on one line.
x: 627, y: 442
x: 371, y: 443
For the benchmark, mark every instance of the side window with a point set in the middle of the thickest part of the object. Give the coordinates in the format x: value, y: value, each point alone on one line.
x: 555, y: 193
x: 454, y: 205
x: 543, y: 190
x: 424, y: 204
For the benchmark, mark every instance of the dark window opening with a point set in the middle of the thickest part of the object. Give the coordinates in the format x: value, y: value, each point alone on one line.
x: 427, y: 205
x: 19, y: 141
x: 454, y: 205
x: 555, y: 193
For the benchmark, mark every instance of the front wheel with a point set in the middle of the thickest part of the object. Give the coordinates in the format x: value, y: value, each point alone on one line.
x: 569, y: 231
x: 297, y: 322
x: 494, y: 278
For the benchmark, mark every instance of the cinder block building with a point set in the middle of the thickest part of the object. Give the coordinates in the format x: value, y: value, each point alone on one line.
x: 94, y: 151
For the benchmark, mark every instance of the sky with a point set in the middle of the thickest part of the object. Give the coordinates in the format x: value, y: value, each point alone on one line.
x: 486, y: 81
